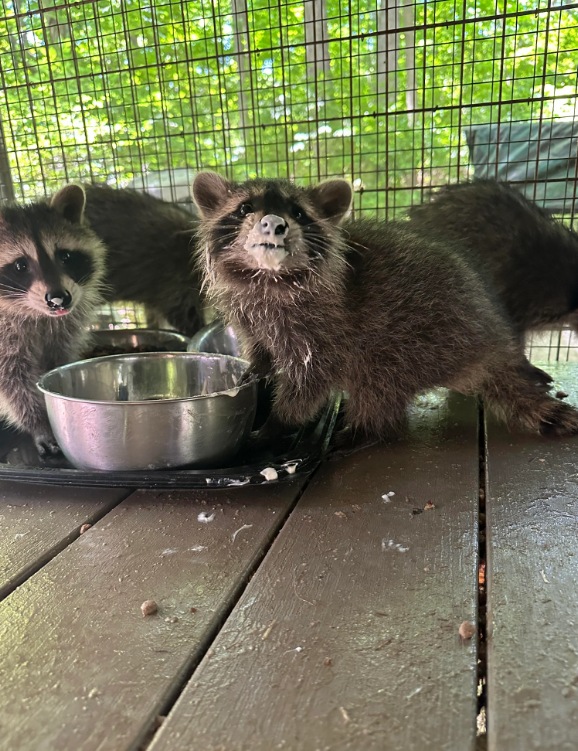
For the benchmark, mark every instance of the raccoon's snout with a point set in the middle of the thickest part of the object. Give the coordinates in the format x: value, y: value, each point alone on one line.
x: 273, y: 225
x: 59, y: 299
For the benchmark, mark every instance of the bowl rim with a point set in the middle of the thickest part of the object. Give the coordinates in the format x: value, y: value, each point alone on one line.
x: 140, y: 330
x: 252, y: 381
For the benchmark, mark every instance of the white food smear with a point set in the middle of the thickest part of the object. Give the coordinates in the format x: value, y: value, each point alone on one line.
x: 245, y: 526
x: 205, y: 518
x: 388, y: 496
x: 269, y: 473
x: 391, y: 545
x: 290, y: 467
x: 231, y: 392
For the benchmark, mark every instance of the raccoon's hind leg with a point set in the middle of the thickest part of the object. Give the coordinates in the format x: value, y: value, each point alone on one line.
x: 513, y: 395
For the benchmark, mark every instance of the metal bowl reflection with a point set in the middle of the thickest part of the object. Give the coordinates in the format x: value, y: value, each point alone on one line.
x: 150, y: 410
x: 120, y: 341
x: 216, y: 337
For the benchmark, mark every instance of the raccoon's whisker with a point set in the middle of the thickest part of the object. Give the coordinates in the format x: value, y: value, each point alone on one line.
x: 10, y: 288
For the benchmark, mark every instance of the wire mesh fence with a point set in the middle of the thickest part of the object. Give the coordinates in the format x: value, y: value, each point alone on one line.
x: 397, y: 96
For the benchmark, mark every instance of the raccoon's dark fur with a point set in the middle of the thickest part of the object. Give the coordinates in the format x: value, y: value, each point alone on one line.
x: 51, y: 268
x: 371, y: 308
x: 528, y: 259
x: 149, y: 257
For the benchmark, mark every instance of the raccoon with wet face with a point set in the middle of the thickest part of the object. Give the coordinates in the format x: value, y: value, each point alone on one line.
x: 149, y: 255
x: 526, y: 258
x: 51, y: 268
x: 370, y: 308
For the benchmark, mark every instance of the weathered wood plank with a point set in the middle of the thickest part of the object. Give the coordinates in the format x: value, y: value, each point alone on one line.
x: 36, y: 522
x: 532, y: 518
x: 81, y: 667
x: 347, y: 636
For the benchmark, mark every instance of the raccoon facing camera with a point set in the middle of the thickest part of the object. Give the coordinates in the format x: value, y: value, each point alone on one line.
x: 51, y: 270
x: 377, y: 310
x: 149, y: 255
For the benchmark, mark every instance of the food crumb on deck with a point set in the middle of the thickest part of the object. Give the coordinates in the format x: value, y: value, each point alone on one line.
x: 205, y: 517
x: 391, y: 545
x: 236, y: 532
x: 268, y: 630
x: 269, y: 473
x: 149, y: 607
x: 345, y: 715
x: 466, y: 630
x: 84, y: 528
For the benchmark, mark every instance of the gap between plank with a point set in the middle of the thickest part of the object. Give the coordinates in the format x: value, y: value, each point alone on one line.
x: 146, y: 737
x: 29, y: 571
x: 482, y: 683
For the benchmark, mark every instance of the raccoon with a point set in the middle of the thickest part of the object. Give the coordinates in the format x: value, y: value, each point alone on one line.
x: 51, y: 268
x: 149, y: 257
x: 527, y: 259
x: 370, y: 308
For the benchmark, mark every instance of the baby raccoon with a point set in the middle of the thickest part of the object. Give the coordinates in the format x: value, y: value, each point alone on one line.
x: 51, y: 267
x: 526, y: 258
x: 371, y: 308
x: 149, y: 255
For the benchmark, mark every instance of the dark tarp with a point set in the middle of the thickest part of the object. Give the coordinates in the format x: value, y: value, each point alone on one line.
x: 540, y: 158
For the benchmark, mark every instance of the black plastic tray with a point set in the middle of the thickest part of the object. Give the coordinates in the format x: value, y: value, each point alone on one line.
x: 290, y: 455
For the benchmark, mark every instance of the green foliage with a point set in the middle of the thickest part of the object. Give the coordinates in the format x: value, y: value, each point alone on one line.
x: 107, y: 90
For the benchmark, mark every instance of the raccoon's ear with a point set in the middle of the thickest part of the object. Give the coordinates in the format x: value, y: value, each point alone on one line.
x: 70, y: 202
x: 332, y: 198
x: 210, y: 191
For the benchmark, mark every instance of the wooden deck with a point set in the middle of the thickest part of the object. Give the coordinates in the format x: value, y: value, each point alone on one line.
x: 307, y: 616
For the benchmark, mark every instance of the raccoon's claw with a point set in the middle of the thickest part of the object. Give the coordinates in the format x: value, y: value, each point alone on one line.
x: 540, y: 377
x: 46, y: 445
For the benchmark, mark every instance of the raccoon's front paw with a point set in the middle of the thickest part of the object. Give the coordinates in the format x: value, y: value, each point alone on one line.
x: 46, y: 444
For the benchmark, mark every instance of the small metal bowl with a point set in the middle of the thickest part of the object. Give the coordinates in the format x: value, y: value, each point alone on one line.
x: 150, y: 410
x: 216, y: 337
x: 104, y: 342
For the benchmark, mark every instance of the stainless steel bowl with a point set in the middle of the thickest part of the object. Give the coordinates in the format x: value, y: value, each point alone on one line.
x: 216, y: 337
x: 119, y: 341
x: 150, y: 410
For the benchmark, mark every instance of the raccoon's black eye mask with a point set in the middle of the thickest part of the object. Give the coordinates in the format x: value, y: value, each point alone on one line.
x: 21, y: 265
x: 245, y: 209
x: 76, y: 263
x: 293, y: 209
x: 15, y: 276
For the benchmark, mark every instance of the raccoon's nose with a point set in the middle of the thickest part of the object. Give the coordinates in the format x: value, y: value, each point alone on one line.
x: 273, y: 225
x: 59, y: 299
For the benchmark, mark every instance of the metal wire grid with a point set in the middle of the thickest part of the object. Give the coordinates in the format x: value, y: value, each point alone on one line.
x: 378, y: 91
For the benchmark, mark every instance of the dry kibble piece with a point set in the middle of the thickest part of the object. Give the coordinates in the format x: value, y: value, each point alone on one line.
x: 466, y: 630
x: 149, y: 607
x: 85, y: 528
